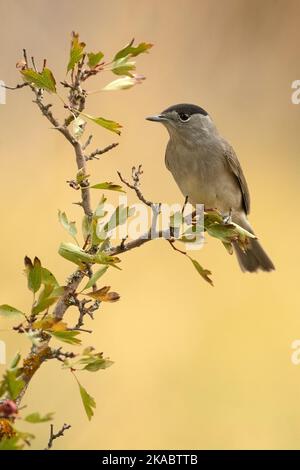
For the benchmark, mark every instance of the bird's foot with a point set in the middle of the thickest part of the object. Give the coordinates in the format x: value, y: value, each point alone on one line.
x: 227, y: 218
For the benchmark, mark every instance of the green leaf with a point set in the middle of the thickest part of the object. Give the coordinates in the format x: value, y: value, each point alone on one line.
x: 94, y: 59
x: 99, y: 213
x: 70, y: 227
x: 35, y: 276
x: 69, y: 337
x: 49, y: 322
x: 9, y: 311
x: 95, y: 240
x: 133, y: 51
x: 212, y: 217
x: 3, y: 387
x: 119, y: 217
x: 75, y: 254
x: 13, y: 384
x: 123, y: 83
x: 98, y: 364
x: 37, y: 418
x: 88, y: 401
x: 44, y: 80
x: 15, y: 361
x: 103, y: 295
x: 86, y: 227
x: 103, y: 258
x: 76, y: 52
x: 34, y: 273
x: 43, y: 305
x: 108, y: 185
x: 95, y: 362
x: 49, y: 295
x: 224, y: 232
x: 10, y: 444
x: 123, y: 67
x: 205, y: 273
x: 95, y: 277
x: 100, y: 209
x: 106, y: 123
x: 243, y: 232
x: 81, y: 176
x: 48, y: 278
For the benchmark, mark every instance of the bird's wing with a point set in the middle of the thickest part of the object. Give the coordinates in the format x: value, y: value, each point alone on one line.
x: 236, y: 168
x: 167, y: 163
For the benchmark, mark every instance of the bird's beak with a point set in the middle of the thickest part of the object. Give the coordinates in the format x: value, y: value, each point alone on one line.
x: 158, y: 118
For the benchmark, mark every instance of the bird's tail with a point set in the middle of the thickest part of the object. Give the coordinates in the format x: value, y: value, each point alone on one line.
x: 255, y: 257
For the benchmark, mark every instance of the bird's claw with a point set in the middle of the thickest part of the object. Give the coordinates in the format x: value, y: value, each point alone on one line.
x: 227, y: 218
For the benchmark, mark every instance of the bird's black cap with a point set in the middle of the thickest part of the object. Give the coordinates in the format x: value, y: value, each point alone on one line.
x: 186, y: 109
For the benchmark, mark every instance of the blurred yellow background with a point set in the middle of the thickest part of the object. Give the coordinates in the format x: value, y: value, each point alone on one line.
x: 195, y: 366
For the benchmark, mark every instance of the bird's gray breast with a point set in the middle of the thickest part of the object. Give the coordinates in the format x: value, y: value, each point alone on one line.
x: 202, y: 174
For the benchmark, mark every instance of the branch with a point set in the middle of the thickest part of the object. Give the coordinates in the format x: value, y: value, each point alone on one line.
x: 83, y: 310
x: 136, y: 173
x: 96, y: 152
x: 152, y: 233
x: 37, y: 356
x: 45, y: 109
x: 156, y: 208
x: 85, y: 191
x: 17, y: 87
x: 63, y: 304
x: 146, y: 237
x: 89, y: 140
x: 172, y: 241
x: 61, y: 355
x: 56, y: 435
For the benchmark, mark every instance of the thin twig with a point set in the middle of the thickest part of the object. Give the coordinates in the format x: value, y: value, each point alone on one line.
x: 186, y: 200
x: 140, y: 241
x: 17, y: 87
x: 45, y: 109
x: 62, y: 355
x: 56, y: 435
x: 80, y: 329
x: 123, y: 242
x: 172, y: 241
x: 83, y: 311
x: 65, y: 84
x: 33, y: 64
x: 96, y: 152
x: 136, y: 189
x: 25, y: 58
x: 89, y: 140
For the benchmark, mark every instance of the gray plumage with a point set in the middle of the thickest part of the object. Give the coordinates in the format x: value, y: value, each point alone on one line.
x: 206, y: 169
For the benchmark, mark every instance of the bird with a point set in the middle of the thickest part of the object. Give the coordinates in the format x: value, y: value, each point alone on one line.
x: 207, y: 171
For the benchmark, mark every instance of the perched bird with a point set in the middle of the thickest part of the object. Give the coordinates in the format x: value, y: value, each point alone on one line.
x: 207, y: 171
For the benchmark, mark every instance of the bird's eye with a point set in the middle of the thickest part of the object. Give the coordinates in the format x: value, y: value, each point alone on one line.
x: 183, y: 117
